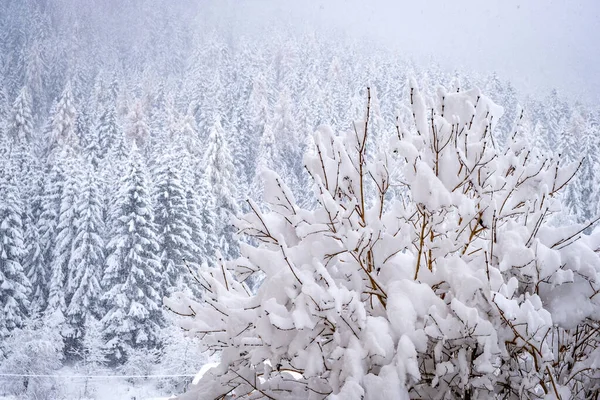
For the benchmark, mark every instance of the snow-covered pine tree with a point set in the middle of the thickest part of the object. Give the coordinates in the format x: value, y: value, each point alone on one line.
x: 555, y: 113
x: 138, y: 131
x: 20, y: 126
x: 92, y: 150
x: 221, y: 178
x: 460, y: 290
x: 132, y: 273
x: 256, y: 116
x: 266, y: 156
x: 63, y: 125
x: 188, y: 134
x: 107, y: 126
x: 62, y: 283
x: 14, y: 284
x: 50, y: 200
x: 19, y: 138
x: 172, y: 220
x: 34, y: 263
x: 290, y: 143
x: 86, y: 259
x: 194, y: 186
x: 210, y: 222
x: 571, y: 140
x: 210, y: 105
x: 589, y: 176
x: 4, y: 111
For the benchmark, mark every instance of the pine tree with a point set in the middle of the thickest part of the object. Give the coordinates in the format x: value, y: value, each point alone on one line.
x: 4, y: 111
x: 589, y: 175
x: 20, y: 127
x: 266, y: 156
x: 20, y: 132
x: 210, y: 222
x: 211, y: 106
x: 86, y: 259
x: 14, y: 285
x: 62, y: 284
x: 132, y: 272
x: 50, y: 200
x: 138, y: 131
x: 63, y: 125
x: 35, y: 264
x: 193, y: 184
x: 172, y: 219
x: 257, y: 120
x: 220, y: 175
x: 107, y: 126
x: 571, y: 142
x: 289, y: 141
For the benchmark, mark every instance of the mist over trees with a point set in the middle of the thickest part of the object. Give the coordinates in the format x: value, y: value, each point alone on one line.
x: 131, y: 133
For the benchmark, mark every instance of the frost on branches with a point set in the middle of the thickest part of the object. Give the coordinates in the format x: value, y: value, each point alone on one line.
x: 427, y: 271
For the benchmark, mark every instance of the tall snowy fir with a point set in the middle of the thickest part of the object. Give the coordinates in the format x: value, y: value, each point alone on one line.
x: 61, y: 282
x: 221, y: 181
x: 172, y: 217
x: 14, y: 284
x: 133, y: 270
x: 63, y: 125
x: 86, y: 259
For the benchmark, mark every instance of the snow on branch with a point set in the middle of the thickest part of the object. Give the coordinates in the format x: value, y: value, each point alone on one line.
x: 427, y: 268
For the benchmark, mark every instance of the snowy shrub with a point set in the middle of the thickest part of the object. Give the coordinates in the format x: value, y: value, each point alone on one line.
x: 180, y: 356
x: 31, y: 350
x: 426, y: 271
x: 140, y: 363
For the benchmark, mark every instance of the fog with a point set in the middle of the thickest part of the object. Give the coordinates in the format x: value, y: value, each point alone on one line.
x: 536, y: 44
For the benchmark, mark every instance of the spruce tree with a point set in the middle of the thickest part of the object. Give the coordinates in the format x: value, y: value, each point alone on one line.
x: 133, y: 270
x: 4, y: 110
x: 172, y: 220
x: 62, y: 284
x: 19, y: 137
x: 50, y: 200
x: 220, y: 175
x: 107, y: 126
x: 87, y: 258
x: 35, y: 264
x: 20, y: 126
x: 63, y: 125
x: 138, y: 131
x: 14, y: 285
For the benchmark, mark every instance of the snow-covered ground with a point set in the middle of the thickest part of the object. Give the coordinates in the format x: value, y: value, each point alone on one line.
x: 71, y: 386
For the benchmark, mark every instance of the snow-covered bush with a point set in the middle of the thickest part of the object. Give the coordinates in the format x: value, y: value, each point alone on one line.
x: 140, y: 363
x: 426, y: 271
x: 180, y: 356
x: 32, y: 351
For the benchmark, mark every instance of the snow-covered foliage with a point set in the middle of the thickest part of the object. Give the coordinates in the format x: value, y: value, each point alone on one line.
x: 426, y: 271
x: 34, y: 349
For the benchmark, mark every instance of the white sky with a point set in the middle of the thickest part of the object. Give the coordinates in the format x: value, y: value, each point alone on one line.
x: 537, y: 44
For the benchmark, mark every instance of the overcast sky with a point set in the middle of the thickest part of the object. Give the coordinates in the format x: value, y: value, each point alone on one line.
x: 537, y: 44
